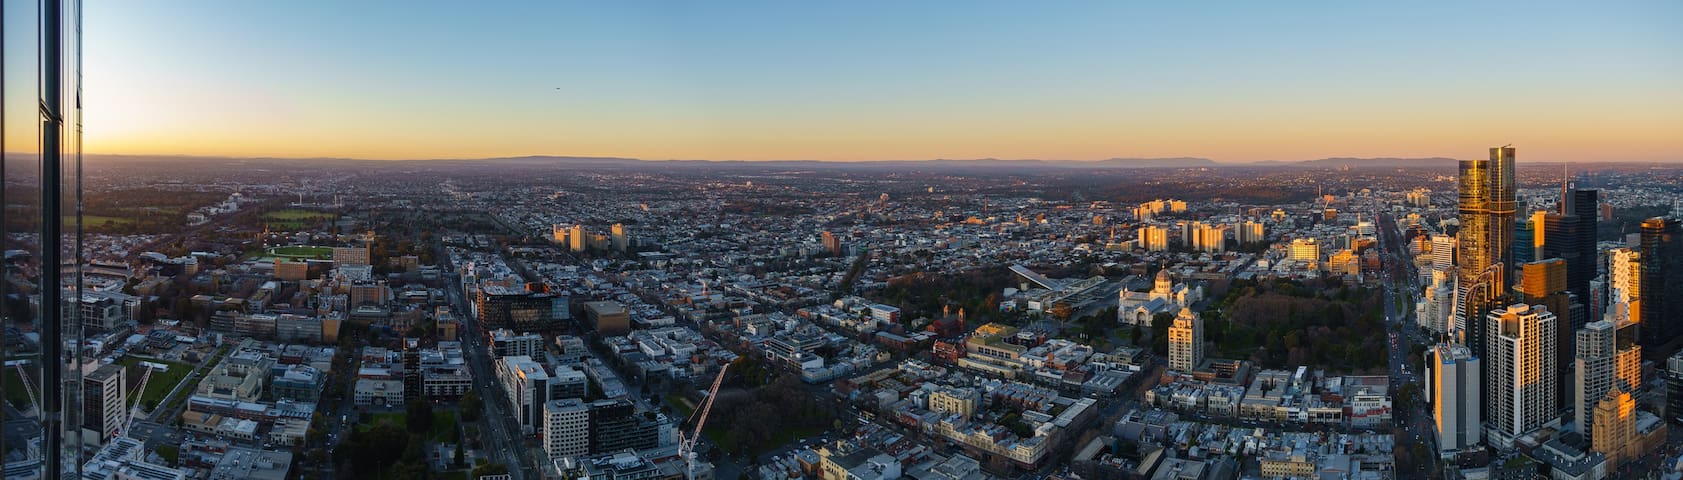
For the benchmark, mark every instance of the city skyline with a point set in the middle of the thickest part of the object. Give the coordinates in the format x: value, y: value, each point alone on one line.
x: 779, y: 82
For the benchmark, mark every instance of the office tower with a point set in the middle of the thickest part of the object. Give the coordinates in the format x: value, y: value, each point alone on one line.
x: 616, y: 425
x: 1674, y: 388
x: 1583, y: 203
x: 1437, y: 303
x: 566, y: 430
x: 1186, y: 341
x: 1248, y: 233
x: 527, y: 384
x: 1661, y: 290
x: 620, y: 241
x: 1624, y: 278
x: 1604, y: 363
x: 1570, y: 235
x: 1486, y: 211
x: 1524, y: 239
x: 1615, y: 431
x: 40, y: 141
x: 104, y: 403
x: 1154, y: 238
x: 832, y: 244
x: 520, y: 309
x: 1443, y: 252
x: 1207, y: 237
x: 1455, y: 377
x: 1521, y: 372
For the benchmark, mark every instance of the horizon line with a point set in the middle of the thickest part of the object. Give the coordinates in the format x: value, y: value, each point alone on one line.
x: 813, y: 160
x: 1214, y: 161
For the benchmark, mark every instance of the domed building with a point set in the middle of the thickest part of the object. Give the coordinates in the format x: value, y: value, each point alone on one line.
x: 1166, y: 296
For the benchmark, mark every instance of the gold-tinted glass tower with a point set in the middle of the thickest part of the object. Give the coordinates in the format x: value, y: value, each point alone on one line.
x: 1487, y: 229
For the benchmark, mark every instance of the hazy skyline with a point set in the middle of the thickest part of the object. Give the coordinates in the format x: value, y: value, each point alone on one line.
x: 885, y: 80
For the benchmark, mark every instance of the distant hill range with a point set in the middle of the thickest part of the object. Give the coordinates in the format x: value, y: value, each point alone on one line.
x: 616, y: 162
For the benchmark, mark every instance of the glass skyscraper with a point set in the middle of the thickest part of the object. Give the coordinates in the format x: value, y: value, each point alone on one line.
x: 1486, y: 210
x: 40, y: 180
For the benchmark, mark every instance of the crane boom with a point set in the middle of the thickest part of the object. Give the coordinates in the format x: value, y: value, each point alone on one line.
x: 686, y: 443
x: 28, y: 387
x: 138, y: 390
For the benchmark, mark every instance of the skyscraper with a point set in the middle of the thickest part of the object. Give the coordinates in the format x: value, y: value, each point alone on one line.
x: 1522, y: 365
x: 1443, y: 252
x: 1543, y: 282
x: 1624, y: 279
x: 1585, y: 204
x: 40, y: 142
x: 1615, y: 432
x: 1486, y: 208
x: 1570, y: 236
x: 1436, y: 303
x: 1186, y: 341
x: 1603, y: 363
x: 1661, y: 292
x: 1455, y: 376
x: 1525, y: 250
x: 1674, y: 388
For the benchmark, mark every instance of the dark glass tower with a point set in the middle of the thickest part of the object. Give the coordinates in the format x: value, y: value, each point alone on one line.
x: 1570, y: 235
x: 40, y: 181
x: 1662, y: 284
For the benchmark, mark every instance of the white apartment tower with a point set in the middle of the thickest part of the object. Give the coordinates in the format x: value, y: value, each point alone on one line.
x: 1520, y: 341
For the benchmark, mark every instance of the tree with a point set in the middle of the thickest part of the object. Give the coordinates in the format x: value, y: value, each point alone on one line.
x: 1062, y: 311
x: 470, y: 406
x: 419, y: 418
x: 460, y: 458
x: 369, y: 450
x: 489, y: 469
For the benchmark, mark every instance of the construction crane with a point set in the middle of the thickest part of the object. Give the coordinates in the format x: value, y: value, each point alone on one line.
x: 144, y: 376
x: 28, y: 387
x: 686, y: 443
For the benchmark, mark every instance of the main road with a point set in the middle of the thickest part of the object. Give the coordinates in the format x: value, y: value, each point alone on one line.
x: 502, y: 433
x: 1397, y: 278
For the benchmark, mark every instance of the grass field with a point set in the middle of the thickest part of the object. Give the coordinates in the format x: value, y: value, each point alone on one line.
x: 160, y: 384
x: 14, y: 389
x: 443, y: 426
x: 294, y: 219
x: 296, y: 215
x: 301, y: 251
x: 443, y: 423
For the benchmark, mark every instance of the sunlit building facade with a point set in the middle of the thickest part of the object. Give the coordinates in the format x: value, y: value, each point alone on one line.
x: 1486, y: 212
x: 1522, y: 390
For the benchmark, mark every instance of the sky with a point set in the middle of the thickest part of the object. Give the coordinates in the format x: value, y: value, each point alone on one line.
x: 874, y: 80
